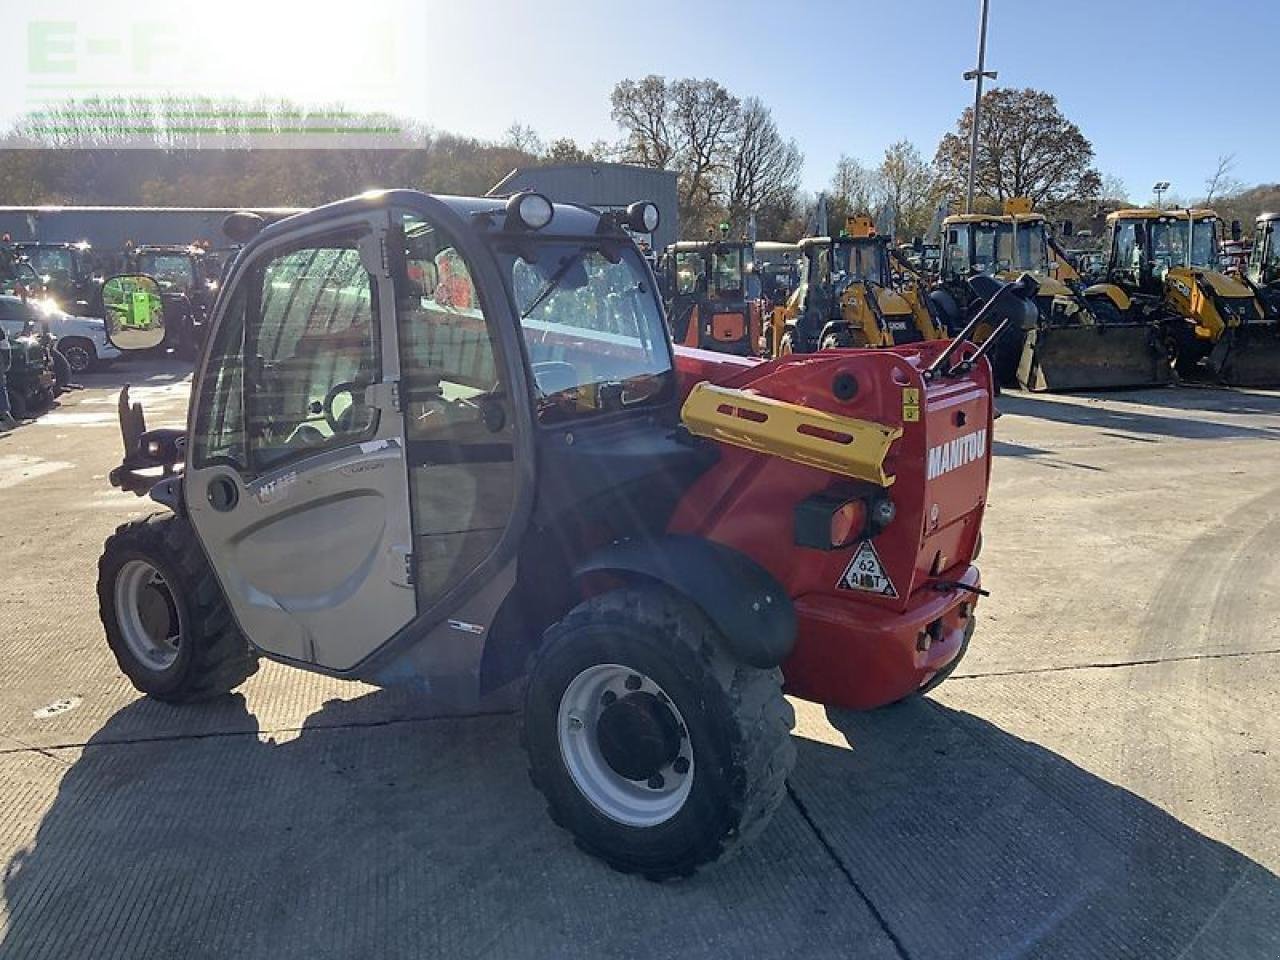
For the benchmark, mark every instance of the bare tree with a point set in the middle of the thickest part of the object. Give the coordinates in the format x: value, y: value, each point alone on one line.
x: 523, y: 138
x: 707, y: 118
x: 763, y: 169
x: 1026, y: 148
x: 1222, y: 183
x: 852, y: 189
x: 642, y: 108
x: 909, y: 187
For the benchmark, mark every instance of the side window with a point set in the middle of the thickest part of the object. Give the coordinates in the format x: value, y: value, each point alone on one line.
x: 458, y: 416
x: 312, y: 350
x: 219, y: 434
x: 958, y: 251
x: 1123, y: 249
x: 689, y: 269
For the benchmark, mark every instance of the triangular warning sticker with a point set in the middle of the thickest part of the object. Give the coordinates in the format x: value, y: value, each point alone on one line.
x: 865, y: 572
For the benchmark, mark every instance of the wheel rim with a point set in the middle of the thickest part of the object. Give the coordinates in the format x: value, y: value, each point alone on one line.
x: 77, y: 358
x: 625, y: 745
x: 147, y: 615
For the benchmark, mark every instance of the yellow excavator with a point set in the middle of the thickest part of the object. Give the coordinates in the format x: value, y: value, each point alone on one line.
x: 1080, y: 341
x: 1164, y: 265
x: 845, y: 297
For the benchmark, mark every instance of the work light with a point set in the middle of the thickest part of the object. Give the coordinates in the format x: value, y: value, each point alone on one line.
x: 529, y: 211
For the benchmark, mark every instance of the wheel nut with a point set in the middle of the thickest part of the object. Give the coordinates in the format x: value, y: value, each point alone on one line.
x: 656, y: 782
x: 633, y: 682
x: 681, y: 765
x: 608, y: 697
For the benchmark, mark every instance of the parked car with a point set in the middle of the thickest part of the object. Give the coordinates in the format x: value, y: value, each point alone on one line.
x: 82, y: 340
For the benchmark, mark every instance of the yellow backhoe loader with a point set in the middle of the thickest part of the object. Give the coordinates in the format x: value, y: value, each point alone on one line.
x: 845, y: 296
x: 1081, y: 340
x: 1164, y: 265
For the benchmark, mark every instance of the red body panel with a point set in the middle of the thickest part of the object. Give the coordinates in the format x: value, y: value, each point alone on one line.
x: 854, y: 648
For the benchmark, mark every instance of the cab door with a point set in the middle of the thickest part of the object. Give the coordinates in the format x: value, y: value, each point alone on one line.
x: 297, y: 485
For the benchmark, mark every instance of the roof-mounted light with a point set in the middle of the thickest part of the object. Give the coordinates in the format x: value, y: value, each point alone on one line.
x: 642, y: 217
x: 529, y: 211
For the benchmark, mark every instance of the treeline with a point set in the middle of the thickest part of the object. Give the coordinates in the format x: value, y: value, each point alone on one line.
x: 733, y: 163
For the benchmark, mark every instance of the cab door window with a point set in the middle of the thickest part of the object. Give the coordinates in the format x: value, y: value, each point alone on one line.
x: 459, y: 425
x: 312, y: 349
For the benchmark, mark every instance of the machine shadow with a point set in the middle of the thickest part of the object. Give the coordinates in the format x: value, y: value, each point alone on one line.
x: 1183, y: 421
x: 375, y: 832
x: 972, y: 842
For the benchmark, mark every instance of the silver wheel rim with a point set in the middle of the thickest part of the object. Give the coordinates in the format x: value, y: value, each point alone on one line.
x: 77, y: 358
x: 147, y: 614
x: 636, y: 803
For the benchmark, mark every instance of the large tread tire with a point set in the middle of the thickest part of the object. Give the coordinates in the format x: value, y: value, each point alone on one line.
x: 213, y: 655
x: 738, y: 720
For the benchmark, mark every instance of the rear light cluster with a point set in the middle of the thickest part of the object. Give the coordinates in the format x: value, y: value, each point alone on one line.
x: 835, y: 519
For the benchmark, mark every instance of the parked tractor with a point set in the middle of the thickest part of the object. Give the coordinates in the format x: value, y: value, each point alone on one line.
x: 1080, y: 340
x: 1262, y: 274
x: 776, y: 266
x: 188, y: 281
x: 708, y: 296
x: 68, y: 272
x: 846, y: 296
x: 1163, y: 265
x: 509, y: 488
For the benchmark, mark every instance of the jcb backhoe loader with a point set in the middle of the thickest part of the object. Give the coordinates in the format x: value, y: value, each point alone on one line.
x: 846, y: 297
x: 1080, y: 342
x: 1163, y: 265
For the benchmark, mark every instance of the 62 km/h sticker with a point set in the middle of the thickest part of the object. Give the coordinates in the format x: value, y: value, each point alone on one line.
x: 866, y: 573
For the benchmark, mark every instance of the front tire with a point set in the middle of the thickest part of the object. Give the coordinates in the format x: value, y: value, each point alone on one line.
x: 165, y: 616
x: 654, y: 748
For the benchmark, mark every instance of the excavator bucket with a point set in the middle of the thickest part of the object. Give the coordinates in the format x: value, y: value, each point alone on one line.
x: 1092, y: 357
x: 1248, y: 357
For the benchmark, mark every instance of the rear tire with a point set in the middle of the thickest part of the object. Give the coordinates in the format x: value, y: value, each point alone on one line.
x: 165, y: 616
x: 1104, y: 311
x: 80, y: 353
x: 654, y: 748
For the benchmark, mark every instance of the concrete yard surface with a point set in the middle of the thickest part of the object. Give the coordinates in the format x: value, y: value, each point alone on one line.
x: 1099, y: 779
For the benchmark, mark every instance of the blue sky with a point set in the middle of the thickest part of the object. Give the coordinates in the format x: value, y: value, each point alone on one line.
x: 1161, y: 88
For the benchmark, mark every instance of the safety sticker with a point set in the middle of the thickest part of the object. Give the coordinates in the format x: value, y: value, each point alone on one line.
x: 911, y: 404
x: 865, y: 572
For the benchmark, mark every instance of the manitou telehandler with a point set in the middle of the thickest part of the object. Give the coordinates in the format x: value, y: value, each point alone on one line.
x: 511, y: 488
x: 708, y: 296
x: 1080, y: 340
x: 845, y: 297
x: 1163, y: 265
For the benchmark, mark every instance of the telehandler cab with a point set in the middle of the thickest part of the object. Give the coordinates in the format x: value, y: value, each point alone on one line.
x: 1262, y: 273
x: 447, y: 442
x: 845, y: 297
x: 1080, y: 340
x: 1163, y: 265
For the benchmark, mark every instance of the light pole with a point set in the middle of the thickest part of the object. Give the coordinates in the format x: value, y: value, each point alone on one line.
x: 977, y: 75
x: 1159, y: 189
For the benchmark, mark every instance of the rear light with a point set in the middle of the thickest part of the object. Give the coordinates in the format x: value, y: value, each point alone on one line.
x: 840, y: 518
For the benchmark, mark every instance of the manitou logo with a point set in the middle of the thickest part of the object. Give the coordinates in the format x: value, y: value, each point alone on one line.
x: 946, y: 457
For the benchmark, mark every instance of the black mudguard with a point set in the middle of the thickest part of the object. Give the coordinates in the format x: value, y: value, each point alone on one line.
x: 747, y: 605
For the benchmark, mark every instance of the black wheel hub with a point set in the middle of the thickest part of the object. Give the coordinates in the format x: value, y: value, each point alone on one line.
x: 638, y: 736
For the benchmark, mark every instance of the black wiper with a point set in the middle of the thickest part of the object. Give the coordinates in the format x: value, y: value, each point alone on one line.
x: 552, y: 282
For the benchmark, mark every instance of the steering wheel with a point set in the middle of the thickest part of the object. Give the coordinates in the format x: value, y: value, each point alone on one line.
x: 337, y: 390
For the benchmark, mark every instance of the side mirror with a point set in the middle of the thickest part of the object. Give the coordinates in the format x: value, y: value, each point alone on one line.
x: 1235, y: 230
x: 133, y: 311
x: 242, y: 226
x: 1068, y: 228
x: 917, y: 244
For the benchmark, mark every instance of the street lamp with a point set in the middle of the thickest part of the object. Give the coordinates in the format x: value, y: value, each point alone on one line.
x: 979, y: 75
x: 1159, y: 189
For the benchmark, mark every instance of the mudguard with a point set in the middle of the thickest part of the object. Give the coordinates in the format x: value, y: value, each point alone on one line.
x: 1091, y: 357
x: 747, y: 605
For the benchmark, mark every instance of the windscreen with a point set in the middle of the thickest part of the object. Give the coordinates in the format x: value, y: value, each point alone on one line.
x: 173, y: 271
x: 594, y: 332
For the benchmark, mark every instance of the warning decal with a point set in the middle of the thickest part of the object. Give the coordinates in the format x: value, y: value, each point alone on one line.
x: 866, y: 572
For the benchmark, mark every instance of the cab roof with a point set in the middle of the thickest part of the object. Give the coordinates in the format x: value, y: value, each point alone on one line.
x: 1148, y: 213
x: 806, y: 242
x: 690, y: 246
x: 483, y: 214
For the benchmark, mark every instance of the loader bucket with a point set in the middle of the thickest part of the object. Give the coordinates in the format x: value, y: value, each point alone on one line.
x: 1248, y: 357
x: 1092, y: 357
